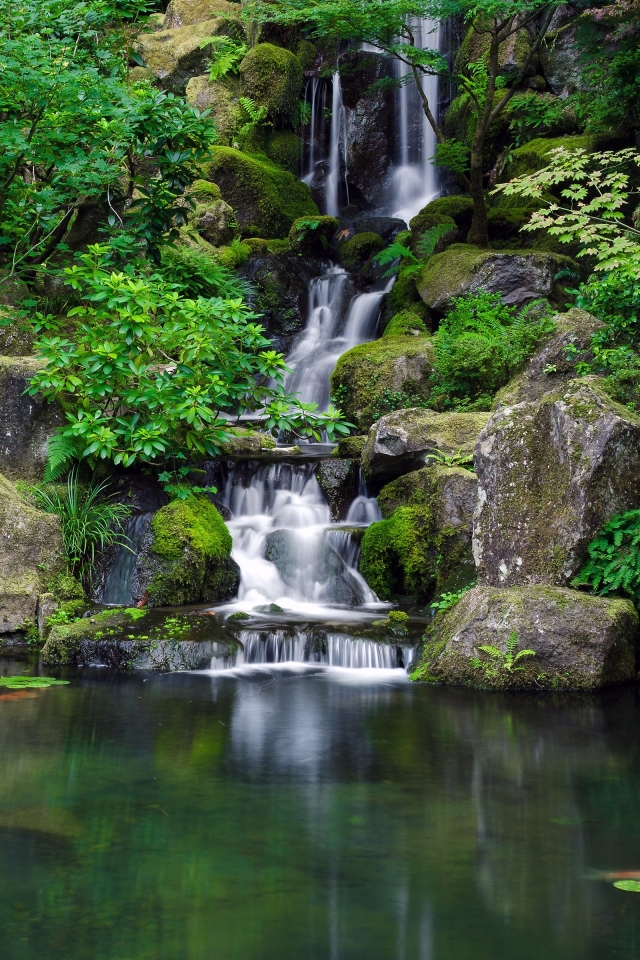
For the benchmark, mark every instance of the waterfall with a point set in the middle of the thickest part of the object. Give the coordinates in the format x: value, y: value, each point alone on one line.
x: 315, y: 154
x: 337, y: 151
x: 414, y: 180
x: 118, y: 586
x: 279, y: 525
x: 364, y: 509
x: 303, y: 646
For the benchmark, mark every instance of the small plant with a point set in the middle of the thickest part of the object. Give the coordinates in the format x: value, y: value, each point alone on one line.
x: 90, y: 520
x: 458, y: 459
x: 31, y: 683
x: 429, y: 239
x: 502, y: 660
x: 397, y: 622
x: 175, y: 486
x: 448, y: 600
x: 614, y: 558
x: 253, y: 116
x: 306, y: 225
x: 227, y: 54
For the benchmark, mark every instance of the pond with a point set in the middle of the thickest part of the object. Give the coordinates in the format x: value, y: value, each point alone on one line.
x: 284, y: 813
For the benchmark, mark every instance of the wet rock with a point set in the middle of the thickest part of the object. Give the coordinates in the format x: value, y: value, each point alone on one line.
x: 185, y: 557
x: 551, y: 472
x: 581, y: 642
x: 402, y: 441
x: 561, y: 55
x: 518, y: 276
x: 30, y: 555
x: 423, y: 544
x: 26, y: 423
x: 339, y: 481
x: 280, y: 293
x: 386, y: 227
x: 301, y: 562
x: 367, y: 116
x: 370, y: 379
x: 176, y: 55
x: 555, y: 362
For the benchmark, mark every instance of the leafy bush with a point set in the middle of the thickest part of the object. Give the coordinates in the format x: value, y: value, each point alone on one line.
x: 614, y: 558
x: 479, y: 346
x: 534, y: 116
x: 196, y: 274
x: 90, y: 519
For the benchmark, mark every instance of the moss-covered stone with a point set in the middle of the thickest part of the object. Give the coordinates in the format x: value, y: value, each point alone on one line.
x: 360, y: 249
x: 406, y: 324
x: 534, y: 155
x: 26, y: 423
x: 188, y: 559
x: 350, y: 447
x: 175, y: 56
x: 221, y: 100
x: 284, y: 147
x: 403, y: 296
x: 374, y: 378
x: 266, y: 199
x: 579, y: 642
x: 212, y: 217
x: 244, y: 442
x: 187, y: 13
x: 306, y: 53
x: 423, y: 544
x: 272, y: 77
x: 311, y: 236
x: 519, y: 276
x: 30, y: 556
x: 456, y: 209
x: 64, y: 641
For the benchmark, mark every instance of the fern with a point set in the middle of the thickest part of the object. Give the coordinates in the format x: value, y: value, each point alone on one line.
x: 227, y: 55
x: 429, y: 239
x: 614, y: 558
x: 254, y: 115
x: 395, y: 254
x: 62, y: 450
x: 507, y: 659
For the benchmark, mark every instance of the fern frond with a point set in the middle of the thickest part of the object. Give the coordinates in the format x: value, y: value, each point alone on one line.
x: 492, y: 651
x: 61, y: 451
x: 429, y: 239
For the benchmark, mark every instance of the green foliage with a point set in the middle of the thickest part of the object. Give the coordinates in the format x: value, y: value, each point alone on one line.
x: 532, y: 116
x: 448, y: 600
x: 394, y: 254
x: 226, y: 55
x: 427, y: 243
x: 501, y: 660
x: 31, y: 683
x: 195, y: 273
x: 630, y: 886
x: 148, y: 374
x: 394, y: 559
x: 390, y: 400
x: 458, y: 459
x: 253, y: 116
x: 479, y: 346
x: 452, y: 154
x: 61, y: 452
x: 90, y: 520
x: 614, y: 558
x: 397, y: 622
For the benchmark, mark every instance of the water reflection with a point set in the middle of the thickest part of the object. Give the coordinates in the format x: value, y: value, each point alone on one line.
x: 290, y: 815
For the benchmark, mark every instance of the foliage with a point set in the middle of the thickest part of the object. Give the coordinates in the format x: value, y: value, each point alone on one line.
x: 90, y: 520
x: 398, y: 255
x: 148, y: 374
x: 61, y: 451
x: 452, y: 154
x: 80, y: 143
x: 630, y: 886
x: 394, y: 254
x: 428, y: 241
x: 458, y: 459
x: 534, y: 116
x: 397, y: 621
x: 501, y: 659
x: 195, y: 273
x: 31, y: 683
x: 390, y: 400
x: 479, y: 346
x: 252, y: 116
x: 614, y: 558
x: 226, y: 55
x: 448, y: 600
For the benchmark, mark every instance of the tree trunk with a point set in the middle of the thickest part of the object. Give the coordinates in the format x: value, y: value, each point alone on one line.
x: 479, y: 232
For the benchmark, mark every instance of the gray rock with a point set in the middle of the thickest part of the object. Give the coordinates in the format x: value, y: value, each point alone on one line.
x: 26, y: 423
x: 555, y: 362
x: 367, y: 115
x: 551, y: 472
x: 518, y: 276
x: 581, y: 642
x: 402, y: 441
x: 339, y: 480
x: 561, y: 53
x: 15, y: 341
x: 187, y: 13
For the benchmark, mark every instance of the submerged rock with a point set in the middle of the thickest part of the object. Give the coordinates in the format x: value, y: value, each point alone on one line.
x: 402, y: 441
x: 423, y: 544
x: 519, y: 276
x: 580, y: 642
x: 30, y: 556
x: 339, y: 480
x: 186, y: 556
x: 551, y: 472
x: 26, y: 423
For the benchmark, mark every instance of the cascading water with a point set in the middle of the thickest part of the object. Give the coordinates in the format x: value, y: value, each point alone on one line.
x: 337, y: 151
x: 118, y: 585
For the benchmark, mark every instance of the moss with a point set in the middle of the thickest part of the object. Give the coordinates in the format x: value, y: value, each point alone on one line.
x: 306, y: 54
x: 189, y: 12
x: 360, y: 248
x: 278, y: 246
x: 404, y: 296
x: 405, y: 324
x: 350, y: 448
x: 374, y: 378
x: 64, y: 641
x: 272, y: 77
x: 175, y: 56
x: 204, y: 190
x: 534, y: 155
x: 394, y: 558
x: 284, y: 148
x: 243, y: 442
x: 311, y: 236
x: 265, y: 198
x: 221, y: 100
x: 457, y: 207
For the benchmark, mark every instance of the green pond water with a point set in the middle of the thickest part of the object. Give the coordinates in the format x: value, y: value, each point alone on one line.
x: 314, y: 815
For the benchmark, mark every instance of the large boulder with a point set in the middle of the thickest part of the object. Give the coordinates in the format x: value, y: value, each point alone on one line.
x: 26, y: 423
x: 374, y: 377
x: 556, y: 360
x: 174, y: 56
x: 339, y: 481
x: 186, y: 556
x: 580, y: 642
x: 272, y: 77
x: 423, y: 544
x: 551, y: 472
x: 30, y: 555
x: 402, y: 441
x: 265, y: 198
x: 562, y: 55
x: 519, y: 276
x: 221, y: 99
x: 186, y: 13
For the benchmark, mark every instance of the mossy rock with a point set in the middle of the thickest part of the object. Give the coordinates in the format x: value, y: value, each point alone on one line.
x: 188, y: 559
x: 374, y: 378
x: 221, y: 100
x: 534, y: 155
x: 406, y: 324
x: 350, y: 448
x: 360, y: 249
x: 187, y: 13
x: 266, y: 199
x: 65, y: 640
x: 403, y: 296
x: 272, y: 77
x: 26, y: 423
x: 306, y: 53
x: 457, y: 207
x: 244, y: 443
x: 423, y: 544
x: 512, y: 52
x: 312, y: 236
x: 579, y: 642
x: 284, y: 147
x: 212, y: 217
x: 175, y: 56
x: 519, y: 276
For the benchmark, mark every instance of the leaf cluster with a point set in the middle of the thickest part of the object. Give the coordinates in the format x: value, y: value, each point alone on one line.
x: 614, y: 558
